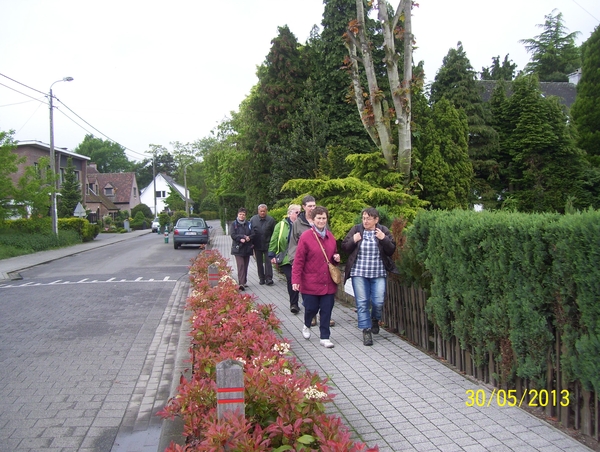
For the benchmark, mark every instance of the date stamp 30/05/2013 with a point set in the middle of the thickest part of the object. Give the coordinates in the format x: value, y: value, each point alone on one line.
x: 502, y: 397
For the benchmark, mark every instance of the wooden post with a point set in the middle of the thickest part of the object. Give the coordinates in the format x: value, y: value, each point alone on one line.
x: 213, y: 275
x: 230, y: 387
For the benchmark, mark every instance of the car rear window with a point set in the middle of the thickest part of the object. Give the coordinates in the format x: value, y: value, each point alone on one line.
x: 191, y: 223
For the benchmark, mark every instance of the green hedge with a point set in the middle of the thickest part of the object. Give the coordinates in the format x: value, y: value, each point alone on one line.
x: 503, y: 282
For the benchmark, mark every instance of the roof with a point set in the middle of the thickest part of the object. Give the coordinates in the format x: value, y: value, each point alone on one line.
x: 171, y: 182
x: 100, y: 199
x: 565, y: 91
x: 46, y: 147
x: 121, y: 182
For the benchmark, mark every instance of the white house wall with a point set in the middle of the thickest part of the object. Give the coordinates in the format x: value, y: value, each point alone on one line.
x: 146, y: 197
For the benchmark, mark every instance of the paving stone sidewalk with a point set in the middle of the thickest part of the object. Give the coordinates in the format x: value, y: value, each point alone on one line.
x: 397, y: 397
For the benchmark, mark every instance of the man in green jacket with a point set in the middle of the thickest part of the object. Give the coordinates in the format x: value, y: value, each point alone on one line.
x: 278, y: 250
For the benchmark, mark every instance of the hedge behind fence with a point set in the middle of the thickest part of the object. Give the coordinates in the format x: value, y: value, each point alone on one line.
x: 505, y: 282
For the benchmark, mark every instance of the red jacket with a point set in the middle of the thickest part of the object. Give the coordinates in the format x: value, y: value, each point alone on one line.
x: 310, y: 267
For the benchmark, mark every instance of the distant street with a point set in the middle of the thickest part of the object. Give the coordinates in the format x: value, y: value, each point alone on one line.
x: 79, y: 338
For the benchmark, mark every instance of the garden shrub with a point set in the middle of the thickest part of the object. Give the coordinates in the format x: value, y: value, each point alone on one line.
x: 501, y: 282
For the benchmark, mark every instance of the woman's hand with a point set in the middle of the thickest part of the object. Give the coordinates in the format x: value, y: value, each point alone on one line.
x: 295, y: 287
x: 379, y: 234
x: 336, y: 257
x: 357, y: 237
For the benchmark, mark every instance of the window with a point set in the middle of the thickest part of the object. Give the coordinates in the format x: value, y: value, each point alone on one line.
x: 160, y: 194
x: 108, y: 191
x: 134, y: 192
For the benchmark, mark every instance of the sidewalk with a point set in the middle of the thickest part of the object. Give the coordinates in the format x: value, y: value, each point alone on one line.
x: 395, y: 396
x: 9, y: 268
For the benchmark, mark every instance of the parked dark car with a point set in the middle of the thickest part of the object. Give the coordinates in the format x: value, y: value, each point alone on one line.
x: 190, y: 231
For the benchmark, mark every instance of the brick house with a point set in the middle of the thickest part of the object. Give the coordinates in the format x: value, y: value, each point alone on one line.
x: 107, y: 193
x: 34, y: 150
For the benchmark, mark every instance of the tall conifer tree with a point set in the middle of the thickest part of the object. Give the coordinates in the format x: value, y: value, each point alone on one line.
x: 456, y: 81
x: 586, y: 109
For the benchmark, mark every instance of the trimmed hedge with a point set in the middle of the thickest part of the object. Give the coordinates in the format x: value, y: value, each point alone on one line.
x: 505, y: 282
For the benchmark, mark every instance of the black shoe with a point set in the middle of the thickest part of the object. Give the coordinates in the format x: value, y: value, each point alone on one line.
x: 295, y: 309
x: 367, y: 338
x: 242, y: 287
x: 261, y: 282
x: 269, y: 282
x: 375, y: 326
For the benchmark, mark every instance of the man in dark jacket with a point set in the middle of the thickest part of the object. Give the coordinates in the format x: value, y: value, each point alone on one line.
x: 263, y: 226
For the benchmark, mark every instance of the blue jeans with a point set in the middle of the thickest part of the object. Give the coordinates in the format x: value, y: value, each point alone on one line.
x: 369, y: 294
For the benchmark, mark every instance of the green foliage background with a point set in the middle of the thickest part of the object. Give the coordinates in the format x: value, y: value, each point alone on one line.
x: 503, y: 283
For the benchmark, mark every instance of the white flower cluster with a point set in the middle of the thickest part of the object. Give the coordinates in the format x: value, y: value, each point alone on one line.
x: 312, y: 392
x: 282, y: 348
x: 287, y: 372
x: 242, y: 360
x: 225, y: 278
x: 223, y: 321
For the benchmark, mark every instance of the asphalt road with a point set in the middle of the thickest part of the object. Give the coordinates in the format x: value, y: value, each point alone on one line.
x: 82, y: 341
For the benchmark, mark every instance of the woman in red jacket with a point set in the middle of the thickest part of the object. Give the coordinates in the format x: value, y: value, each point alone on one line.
x: 310, y: 274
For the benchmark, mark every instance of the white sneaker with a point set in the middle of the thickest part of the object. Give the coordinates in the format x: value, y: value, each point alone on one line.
x: 306, y: 332
x: 327, y: 343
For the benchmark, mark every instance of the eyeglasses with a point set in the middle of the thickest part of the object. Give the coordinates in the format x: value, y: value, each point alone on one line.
x: 297, y: 213
x: 368, y: 219
x: 310, y: 206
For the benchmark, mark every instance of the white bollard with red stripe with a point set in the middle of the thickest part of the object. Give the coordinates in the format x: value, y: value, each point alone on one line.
x: 230, y: 387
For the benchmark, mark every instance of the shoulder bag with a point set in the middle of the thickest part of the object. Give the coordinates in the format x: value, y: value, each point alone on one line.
x: 334, y: 272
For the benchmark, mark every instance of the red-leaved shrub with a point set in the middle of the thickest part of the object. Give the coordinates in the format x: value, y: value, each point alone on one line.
x: 284, y: 402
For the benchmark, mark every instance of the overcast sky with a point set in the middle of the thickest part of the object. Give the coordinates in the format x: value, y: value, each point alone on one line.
x: 153, y: 72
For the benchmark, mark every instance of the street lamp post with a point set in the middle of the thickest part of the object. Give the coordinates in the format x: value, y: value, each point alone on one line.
x: 53, y: 161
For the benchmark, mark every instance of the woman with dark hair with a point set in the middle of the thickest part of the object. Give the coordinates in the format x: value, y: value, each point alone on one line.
x: 241, y: 247
x: 370, y: 246
x: 311, y: 277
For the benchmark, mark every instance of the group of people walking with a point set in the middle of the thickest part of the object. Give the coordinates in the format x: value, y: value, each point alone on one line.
x: 303, y: 248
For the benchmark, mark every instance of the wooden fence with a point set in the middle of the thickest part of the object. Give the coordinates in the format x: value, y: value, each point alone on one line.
x: 404, y: 314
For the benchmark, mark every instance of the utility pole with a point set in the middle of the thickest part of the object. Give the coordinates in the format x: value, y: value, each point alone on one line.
x: 53, y: 168
x: 187, y: 204
x: 154, y: 180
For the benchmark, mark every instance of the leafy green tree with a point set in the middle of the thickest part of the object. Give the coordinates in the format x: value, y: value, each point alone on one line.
x: 174, y: 201
x: 70, y: 192
x: 585, y: 110
x: 505, y: 71
x: 446, y: 171
x: 164, y: 163
x: 554, y: 53
x: 370, y: 183
x: 8, y: 165
x: 34, y: 190
x: 109, y: 156
x: 456, y: 81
